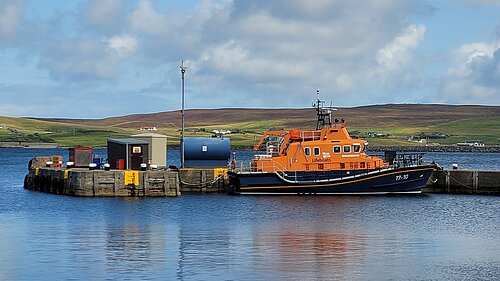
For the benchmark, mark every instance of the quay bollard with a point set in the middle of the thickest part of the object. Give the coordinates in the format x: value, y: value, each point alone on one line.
x: 70, y: 165
x: 107, y: 166
x: 144, y: 166
x: 153, y: 167
x: 92, y: 166
x: 454, y: 166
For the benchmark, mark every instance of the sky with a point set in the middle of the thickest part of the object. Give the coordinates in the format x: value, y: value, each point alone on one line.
x: 101, y: 58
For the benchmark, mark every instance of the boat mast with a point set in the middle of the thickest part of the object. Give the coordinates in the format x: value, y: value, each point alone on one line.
x: 324, y: 114
x: 183, y: 70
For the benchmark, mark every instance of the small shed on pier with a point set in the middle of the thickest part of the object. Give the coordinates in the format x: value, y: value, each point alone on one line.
x: 127, y: 154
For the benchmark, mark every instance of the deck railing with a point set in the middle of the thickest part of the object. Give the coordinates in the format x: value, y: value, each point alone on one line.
x: 266, y: 163
x: 297, y: 176
x: 408, y: 160
x: 310, y: 135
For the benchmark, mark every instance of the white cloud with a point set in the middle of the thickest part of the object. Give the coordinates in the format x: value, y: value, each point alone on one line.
x: 122, y: 46
x: 260, y: 50
x: 474, y: 76
x: 85, y: 59
x: 11, y: 13
x: 294, y: 47
x: 481, y: 2
x: 249, y: 53
x: 398, y: 53
x: 106, y: 14
x: 146, y: 19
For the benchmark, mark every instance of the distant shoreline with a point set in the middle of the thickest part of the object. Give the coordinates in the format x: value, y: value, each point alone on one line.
x: 436, y: 148
x: 15, y: 144
x: 408, y: 148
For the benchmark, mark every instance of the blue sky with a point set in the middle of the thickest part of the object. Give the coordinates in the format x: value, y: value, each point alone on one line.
x: 100, y: 58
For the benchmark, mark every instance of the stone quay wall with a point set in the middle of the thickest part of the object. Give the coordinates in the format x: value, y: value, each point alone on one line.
x: 464, y: 182
x: 100, y: 183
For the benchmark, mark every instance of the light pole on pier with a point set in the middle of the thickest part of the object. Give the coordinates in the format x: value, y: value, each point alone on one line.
x: 183, y: 70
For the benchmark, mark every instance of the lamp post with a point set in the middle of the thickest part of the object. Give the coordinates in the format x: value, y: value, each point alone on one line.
x: 183, y: 70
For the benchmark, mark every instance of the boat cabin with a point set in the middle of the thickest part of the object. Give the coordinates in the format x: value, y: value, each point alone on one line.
x: 320, y: 150
x: 327, y: 148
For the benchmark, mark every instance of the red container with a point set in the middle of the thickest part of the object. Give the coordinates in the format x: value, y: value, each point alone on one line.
x: 81, y: 156
x: 295, y: 134
x: 120, y: 164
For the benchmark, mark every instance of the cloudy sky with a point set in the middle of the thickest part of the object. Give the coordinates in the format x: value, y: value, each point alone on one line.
x: 99, y: 58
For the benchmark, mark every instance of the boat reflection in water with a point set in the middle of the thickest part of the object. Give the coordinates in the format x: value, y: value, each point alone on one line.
x: 221, y: 237
x: 317, y: 254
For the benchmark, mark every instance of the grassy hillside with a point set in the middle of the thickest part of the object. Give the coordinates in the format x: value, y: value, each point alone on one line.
x: 486, y: 129
x: 398, y: 122
x: 23, y: 129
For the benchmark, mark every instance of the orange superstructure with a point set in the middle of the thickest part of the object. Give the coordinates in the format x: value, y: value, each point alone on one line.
x: 326, y: 149
x: 329, y: 147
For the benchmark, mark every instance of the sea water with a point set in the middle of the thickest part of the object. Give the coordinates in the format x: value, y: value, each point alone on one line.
x: 222, y: 237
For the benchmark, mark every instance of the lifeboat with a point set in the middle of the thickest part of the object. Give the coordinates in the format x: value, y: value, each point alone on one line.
x: 326, y: 160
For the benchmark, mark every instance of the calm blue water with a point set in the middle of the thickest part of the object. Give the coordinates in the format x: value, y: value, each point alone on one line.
x: 221, y: 237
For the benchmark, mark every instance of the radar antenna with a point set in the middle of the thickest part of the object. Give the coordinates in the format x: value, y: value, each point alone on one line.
x: 323, y: 113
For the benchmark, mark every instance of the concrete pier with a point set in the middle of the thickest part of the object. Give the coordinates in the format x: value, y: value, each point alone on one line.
x: 196, y: 180
x: 464, y: 182
x: 100, y: 183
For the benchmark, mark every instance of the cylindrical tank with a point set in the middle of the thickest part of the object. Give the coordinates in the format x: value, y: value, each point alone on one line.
x: 207, y: 152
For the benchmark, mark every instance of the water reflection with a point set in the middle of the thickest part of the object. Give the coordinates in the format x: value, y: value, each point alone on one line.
x: 128, y: 249
x: 203, y: 251
x: 302, y: 252
x: 435, y: 237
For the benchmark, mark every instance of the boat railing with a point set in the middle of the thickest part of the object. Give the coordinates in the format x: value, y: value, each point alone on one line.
x: 267, y: 166
x: 265, y: 163
x: 408, y: 160
x: 297, y: 176
x: 310, y: 135
x: 261, y: 162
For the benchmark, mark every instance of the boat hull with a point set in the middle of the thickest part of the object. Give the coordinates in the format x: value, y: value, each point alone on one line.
x: 398, y: 180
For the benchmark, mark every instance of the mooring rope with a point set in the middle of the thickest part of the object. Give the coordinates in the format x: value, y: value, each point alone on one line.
x: 457, y: 181
x: 201, y: 183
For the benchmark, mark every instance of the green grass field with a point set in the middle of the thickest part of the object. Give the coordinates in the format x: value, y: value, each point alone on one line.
x: 487, y: 130
x: 74, y: 134
x: 28, y: 130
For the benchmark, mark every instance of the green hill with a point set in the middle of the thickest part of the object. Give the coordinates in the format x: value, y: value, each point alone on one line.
x: 393, y: 124
x: 65, y: 134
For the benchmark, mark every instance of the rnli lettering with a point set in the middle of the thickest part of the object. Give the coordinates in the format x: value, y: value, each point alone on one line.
x: 321, y: 160
x: 401, y: 177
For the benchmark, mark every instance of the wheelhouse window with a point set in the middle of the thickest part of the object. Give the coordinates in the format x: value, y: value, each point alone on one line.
x: 316, y: 151
x: 307, y: 151
x: 336, y: 149
x: 356, y: 148
x: 347, y: 149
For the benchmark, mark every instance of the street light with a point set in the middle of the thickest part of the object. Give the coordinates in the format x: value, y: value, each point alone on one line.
x: 183, y: 70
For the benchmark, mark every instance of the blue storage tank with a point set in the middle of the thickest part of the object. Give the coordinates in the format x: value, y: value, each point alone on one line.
x: 207, y: 152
